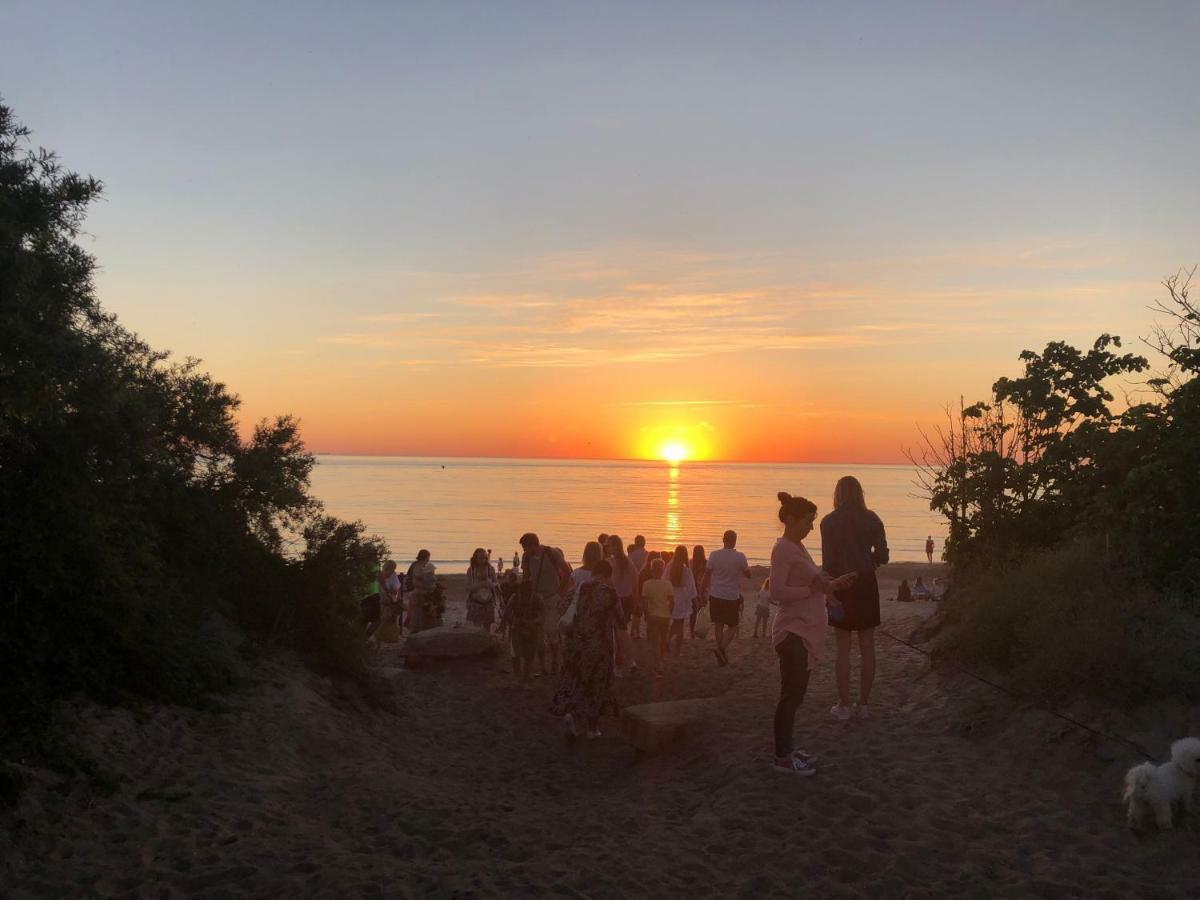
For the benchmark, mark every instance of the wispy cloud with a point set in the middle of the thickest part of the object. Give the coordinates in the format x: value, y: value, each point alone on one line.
x: 663, y: 305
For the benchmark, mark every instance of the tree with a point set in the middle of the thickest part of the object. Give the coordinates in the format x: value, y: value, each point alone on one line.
x: 132, y: 509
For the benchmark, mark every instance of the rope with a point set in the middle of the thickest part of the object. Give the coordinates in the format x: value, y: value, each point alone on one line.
x: 999, y: 687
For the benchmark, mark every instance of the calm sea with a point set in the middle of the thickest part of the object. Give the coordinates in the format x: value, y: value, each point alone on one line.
x: 452, y: 506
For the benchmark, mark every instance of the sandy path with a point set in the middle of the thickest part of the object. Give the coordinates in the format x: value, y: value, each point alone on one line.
x: 472, y: 789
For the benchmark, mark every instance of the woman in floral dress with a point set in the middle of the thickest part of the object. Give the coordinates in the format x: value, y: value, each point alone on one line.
x: 585, y: 685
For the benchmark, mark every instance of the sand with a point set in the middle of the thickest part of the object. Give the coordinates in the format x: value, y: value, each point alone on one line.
x: 299, y: 789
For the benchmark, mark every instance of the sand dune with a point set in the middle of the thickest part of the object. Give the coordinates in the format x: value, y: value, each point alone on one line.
x: 298, y: 789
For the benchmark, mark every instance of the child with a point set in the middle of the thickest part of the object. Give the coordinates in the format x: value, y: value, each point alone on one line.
x: 762, y: 609
x: 658, y: 598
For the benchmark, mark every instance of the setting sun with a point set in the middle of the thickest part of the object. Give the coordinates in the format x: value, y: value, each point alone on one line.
x: 674, y: 452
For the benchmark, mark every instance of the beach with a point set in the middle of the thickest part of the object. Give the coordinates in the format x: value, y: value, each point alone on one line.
x: 298, y: 787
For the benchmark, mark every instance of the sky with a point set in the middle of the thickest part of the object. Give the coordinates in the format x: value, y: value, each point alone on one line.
x: 757, y: 231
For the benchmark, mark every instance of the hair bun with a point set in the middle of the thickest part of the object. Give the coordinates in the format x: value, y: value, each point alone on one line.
x: 784, y: 496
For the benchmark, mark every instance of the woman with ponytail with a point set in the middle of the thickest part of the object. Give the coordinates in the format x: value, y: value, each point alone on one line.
x: 804, y: 594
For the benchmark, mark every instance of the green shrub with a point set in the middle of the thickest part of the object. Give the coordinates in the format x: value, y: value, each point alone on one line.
x: 1059, y: 623
x: 133, y: 513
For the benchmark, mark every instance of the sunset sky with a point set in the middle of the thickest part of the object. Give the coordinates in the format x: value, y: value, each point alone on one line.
x: 760, y: 231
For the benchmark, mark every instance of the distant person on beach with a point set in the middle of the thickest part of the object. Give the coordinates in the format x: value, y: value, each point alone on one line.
x: 545, y: 571
x: 702, y: 577
x: 803, y: 594
x: 920, y: 590
x: 929, y: 548
x: 391, y: 605
x: 853, y: 540
x: 624, y: 582
x: 516, y: 561
x: 762, y: 609
x: 423, y: 613
x: 727, y: 567
x: 904, y: 592
x: 585, y: 686
x: 658, y: 601
x: 481, y: 591
x: 683, y: 586
x: 638, y: 554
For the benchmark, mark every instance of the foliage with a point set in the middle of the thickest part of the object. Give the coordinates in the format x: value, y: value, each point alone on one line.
x: 133, y: 511
x: 1047, y: 466
x: 1013, y: 473
x: 1060, y: 624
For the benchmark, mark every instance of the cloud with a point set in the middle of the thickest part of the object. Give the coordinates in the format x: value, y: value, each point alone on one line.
x: 663, y: 305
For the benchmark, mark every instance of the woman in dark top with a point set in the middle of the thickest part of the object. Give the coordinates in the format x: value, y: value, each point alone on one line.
x: 853, y: 540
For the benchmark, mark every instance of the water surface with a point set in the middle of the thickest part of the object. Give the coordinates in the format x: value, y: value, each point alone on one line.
x: 451, y: 506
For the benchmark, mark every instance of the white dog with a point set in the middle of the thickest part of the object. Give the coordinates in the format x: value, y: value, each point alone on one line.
x: 1158, y: 789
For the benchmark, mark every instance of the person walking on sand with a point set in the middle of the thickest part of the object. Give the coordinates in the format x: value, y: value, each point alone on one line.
x: 727, y: 567
x: 929, y: 549
x: 481, y: 591
x: 585, y: 685
x: 853, y: 540
x: 701, y: 576
x: 803, y: 593
x: 624, y: 581
x: 683, y: 586
x: 658, y: 599
x: 546, y: 571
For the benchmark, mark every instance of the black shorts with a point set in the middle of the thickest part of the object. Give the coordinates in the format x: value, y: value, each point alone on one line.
x: 860, y: 604
x: 725, y: 612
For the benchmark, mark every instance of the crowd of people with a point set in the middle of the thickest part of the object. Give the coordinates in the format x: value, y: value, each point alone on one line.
x: 580, y: 624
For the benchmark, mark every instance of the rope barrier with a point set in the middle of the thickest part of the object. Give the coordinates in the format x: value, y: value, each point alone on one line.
x: 1016, y: 696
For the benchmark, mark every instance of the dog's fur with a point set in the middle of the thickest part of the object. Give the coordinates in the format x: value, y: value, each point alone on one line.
x: 1158, y: 790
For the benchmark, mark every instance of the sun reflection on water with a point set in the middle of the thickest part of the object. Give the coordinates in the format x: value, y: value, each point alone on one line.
x: 674, y: 525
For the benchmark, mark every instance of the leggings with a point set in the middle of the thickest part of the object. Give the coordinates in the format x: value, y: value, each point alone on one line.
x: 793, y: 682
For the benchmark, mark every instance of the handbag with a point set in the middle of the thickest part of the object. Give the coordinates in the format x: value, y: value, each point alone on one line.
x: 703, y: 622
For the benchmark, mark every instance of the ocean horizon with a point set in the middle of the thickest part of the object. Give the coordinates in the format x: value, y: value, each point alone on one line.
x: 451, y: 505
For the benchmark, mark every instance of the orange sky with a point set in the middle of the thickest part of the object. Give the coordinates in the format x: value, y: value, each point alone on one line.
x: 562, y: 230
x: 616, y: 357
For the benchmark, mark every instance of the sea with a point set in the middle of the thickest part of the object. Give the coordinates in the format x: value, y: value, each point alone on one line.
x: 450, y: 506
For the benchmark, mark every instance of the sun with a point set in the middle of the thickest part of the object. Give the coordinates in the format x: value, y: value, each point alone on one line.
x: 674, y: 452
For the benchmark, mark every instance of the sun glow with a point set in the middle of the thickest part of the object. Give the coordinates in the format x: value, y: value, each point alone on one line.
x: 674, y: 452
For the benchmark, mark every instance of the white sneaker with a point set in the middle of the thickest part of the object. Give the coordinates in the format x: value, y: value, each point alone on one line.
x: 861, y: 711
x: 841, y: 713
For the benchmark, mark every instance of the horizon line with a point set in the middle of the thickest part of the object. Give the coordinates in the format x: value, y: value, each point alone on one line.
x: 738, y: 462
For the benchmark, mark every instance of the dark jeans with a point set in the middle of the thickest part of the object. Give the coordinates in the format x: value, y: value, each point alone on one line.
x: 793, y: 682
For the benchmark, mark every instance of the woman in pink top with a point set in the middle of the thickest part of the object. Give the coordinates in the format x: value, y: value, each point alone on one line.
x: 803, y: 593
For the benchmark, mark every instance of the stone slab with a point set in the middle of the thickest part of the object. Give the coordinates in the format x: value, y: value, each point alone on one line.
x: 656, y: 727
x: 450, y: 642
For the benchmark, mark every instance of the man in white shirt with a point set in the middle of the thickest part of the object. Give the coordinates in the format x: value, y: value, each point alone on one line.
x: 726, y: 569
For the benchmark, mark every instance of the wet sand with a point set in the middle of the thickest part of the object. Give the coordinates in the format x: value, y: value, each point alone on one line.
x: 300, y: 789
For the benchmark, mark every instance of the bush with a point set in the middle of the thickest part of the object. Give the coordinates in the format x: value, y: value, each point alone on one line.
x: 1060, y: 624
x: 133, y: 511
